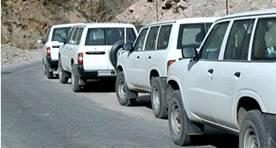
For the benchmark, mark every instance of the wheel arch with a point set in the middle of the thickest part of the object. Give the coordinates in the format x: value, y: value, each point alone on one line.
x: 248, y: 100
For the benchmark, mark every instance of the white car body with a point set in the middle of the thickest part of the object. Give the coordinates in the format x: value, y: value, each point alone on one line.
x: 95, y: 58
x: 140, y: 66
x: 51, y: 43
x: 211, y: 90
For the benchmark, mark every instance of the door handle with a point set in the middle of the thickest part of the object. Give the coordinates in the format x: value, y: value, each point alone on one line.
x: 237, y: 74
x: 138, y: 57
x: 149, y: 57
x: 211, y: 71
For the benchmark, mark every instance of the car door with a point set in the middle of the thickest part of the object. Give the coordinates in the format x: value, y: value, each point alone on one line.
x: 65, y: 50
x: 200, y: 85
x: 75, y: 46
x: 133, y: 65
x: 148, y: 56
x: 231, y: 71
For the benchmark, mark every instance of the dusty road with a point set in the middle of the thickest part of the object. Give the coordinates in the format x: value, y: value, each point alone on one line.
x: 41, y: 113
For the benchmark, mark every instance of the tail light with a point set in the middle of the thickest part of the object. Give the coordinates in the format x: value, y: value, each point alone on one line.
x: 80, y: 58
x: 170, y: 62
x: 48, y: 50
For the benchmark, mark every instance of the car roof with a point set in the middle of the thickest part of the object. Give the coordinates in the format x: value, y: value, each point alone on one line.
x: 107, y: 25
x: 66, y: 25
x: 186, y: 21
x: 250, y: 13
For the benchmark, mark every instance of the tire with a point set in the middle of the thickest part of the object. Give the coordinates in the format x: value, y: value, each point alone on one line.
x: 48, y: 73
x: 113, y: 52
x: 62, y: 75
x: 178, y: 120
x: 253, y: 130
x: 125, y: 96
x: 75, y: 80
x: 158, y: 98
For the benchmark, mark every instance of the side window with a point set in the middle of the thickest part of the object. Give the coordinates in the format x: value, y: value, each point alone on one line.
x: 212, y: 46
x: 78, y: 38
x: 72, y: 30
x: 141, y: 39
x: 164, y: 37
x: 95, y: 36
x: 264, y: 46
x: 73, y: 37
x: 130, y: 34
x: 239, y: 40
x: 151, y: 40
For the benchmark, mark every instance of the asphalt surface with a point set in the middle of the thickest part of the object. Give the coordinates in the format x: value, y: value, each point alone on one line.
x: 42, y: 113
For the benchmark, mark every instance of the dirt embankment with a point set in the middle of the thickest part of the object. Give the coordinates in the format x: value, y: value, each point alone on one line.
x: 25, y: 21
x: 144, y: 11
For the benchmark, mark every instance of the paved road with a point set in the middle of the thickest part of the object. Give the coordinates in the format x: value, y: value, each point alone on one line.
x: 41, y: 113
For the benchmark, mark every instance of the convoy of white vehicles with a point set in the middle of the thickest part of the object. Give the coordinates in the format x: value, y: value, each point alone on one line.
x: 197, y: 73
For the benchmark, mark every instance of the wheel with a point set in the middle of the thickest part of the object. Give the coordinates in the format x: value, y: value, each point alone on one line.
x: 158, y: 98
x: 253, y: 132
x: 62, y: 75
x: 178, y: 120
x: 47, y: 70
x: 125, y: 96
x: 75, y: 80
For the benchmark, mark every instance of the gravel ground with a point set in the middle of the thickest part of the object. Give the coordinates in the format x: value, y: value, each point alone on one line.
x: 12, y: 55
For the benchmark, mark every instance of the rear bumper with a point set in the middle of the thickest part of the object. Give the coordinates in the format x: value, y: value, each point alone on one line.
x: 52, y: 63
x: 270, y: 124
x: 95, y: 74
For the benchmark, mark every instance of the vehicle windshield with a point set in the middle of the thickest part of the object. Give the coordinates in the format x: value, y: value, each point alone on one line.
x: 59, y: 34
x: 104, y: 36
x: 191, y: 35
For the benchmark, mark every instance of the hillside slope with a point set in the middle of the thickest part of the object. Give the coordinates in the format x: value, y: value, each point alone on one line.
x: 145, y: 12
x: 25, y: 21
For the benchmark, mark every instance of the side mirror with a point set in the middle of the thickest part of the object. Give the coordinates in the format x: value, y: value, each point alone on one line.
x: 128, y: 47
x: 190, y: 53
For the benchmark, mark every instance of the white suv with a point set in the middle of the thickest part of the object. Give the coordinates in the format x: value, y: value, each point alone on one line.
x: 230, y: 83
x: 143, y: 66
x: 85, y: 55
x: 54, y: 39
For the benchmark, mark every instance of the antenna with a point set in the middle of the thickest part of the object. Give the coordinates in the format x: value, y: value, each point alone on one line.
x: 227, y: 6
x: 156, y: 8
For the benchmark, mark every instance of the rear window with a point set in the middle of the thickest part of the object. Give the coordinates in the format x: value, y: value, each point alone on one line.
x: 191, y: 35
x: 104, y: 36
x: 60, y: 33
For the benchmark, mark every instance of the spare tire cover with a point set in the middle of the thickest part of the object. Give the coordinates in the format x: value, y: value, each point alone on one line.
x: 114, y: 50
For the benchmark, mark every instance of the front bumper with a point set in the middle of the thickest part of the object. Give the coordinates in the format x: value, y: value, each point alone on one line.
x: 270, y: 124
x: 95, y: 74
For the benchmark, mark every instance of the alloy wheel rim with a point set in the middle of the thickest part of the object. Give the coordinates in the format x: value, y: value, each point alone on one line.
x: 156, y: 99
x: 176, y: 119
x: 251, y: 140
x: 122, y: 90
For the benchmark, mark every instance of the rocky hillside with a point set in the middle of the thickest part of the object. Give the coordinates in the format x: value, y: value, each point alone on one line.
x: 25, y: 21
x: 145, y: 12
